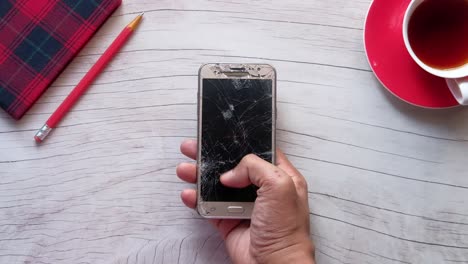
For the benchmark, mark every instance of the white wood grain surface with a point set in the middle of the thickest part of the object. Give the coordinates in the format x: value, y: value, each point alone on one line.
x: 388, y: 181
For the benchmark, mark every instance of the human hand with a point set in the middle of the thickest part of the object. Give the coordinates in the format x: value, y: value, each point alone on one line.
x: 279, y: 229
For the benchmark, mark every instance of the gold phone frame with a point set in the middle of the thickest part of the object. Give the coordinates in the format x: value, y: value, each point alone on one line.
x: 231, y: 71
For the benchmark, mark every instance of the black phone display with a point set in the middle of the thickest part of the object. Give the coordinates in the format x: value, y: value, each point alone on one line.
x: 237, y: 119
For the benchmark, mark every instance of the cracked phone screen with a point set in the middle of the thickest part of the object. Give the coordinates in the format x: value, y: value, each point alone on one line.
x: 237, y: 120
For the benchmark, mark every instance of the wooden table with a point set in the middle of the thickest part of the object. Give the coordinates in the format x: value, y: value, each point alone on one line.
x: 388, y: 182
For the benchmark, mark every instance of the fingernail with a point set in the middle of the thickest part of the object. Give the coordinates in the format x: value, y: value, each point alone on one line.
x: 227, y: 176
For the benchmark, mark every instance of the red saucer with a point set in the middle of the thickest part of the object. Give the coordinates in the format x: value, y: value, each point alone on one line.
x: 391, y: 62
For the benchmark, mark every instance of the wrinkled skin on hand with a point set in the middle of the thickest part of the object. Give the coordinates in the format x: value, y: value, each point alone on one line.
x: 279, y: 229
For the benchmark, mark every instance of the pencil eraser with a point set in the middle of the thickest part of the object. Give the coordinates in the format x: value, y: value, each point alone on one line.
x: 37, y: 139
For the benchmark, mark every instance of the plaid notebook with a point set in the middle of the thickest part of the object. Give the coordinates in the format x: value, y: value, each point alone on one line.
x: 38, y: 38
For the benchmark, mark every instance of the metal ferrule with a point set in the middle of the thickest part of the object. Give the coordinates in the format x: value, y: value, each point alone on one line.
x: 43, y: 132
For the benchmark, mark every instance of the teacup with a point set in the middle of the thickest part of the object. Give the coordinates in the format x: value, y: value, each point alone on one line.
x: 435, y: 33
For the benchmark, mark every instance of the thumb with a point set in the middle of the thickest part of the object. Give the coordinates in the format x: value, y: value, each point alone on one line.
x: 230, y: 179
x: 254, y: 170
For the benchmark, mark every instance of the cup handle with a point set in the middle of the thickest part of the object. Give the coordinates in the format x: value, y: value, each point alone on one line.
x: 459, y: 89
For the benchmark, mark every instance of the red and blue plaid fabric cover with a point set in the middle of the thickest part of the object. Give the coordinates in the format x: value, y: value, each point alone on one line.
x: 38, y: 38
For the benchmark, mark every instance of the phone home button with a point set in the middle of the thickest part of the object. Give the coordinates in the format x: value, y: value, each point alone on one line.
x: 235, y: 209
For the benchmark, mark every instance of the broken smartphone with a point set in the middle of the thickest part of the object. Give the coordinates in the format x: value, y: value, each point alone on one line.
x: 236, y: 117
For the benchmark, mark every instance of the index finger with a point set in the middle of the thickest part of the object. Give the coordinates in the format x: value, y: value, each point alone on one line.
x: 189, y: 148
x: 283, y: 162
x: 299, y: 180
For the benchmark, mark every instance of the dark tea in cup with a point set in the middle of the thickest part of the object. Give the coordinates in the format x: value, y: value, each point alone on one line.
x: 438, y: 33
